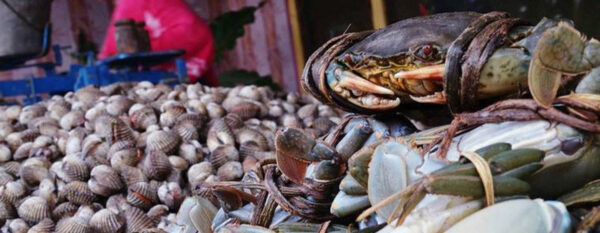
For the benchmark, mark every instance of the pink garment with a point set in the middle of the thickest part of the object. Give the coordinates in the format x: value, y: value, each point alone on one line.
x: 171, y: 25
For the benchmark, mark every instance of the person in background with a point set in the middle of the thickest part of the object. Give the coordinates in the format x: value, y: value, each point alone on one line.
x: 171, y: 24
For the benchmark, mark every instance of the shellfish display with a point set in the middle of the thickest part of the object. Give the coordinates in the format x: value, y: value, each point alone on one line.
x: 483, y: 123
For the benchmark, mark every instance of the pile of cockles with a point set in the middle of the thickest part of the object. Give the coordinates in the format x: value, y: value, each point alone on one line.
x: 124, y: 157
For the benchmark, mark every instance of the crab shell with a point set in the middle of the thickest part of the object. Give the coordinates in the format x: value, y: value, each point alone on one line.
x: 440, y: 29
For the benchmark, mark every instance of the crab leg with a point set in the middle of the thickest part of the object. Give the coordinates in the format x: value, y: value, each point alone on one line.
x: 435, y: 72
x: 352, y: 81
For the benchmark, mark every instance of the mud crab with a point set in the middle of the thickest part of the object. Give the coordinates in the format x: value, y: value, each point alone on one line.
x: 461, y: 59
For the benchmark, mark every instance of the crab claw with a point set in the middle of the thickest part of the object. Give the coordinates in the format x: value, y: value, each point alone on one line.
x: 352, y: 81
x: 435, y: 72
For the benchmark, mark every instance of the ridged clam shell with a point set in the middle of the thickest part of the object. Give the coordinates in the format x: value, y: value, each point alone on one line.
x: 215, y: 111
x: 11, y: 113
x: 192, y: 118
x: 29, y: 135
x: 104, y: 181
x: 5, y: 177
x: 125, y: 157
x: 73, y: 224
x: 143, y: 117
x: 218, y: 134
x: 79, y: 193
x: 118, y: 105
x: 95, y: 153
x: 65, y: 209
x: 246, y: 134
x: 30, y: 112
x: 199, y: 172
x: 44, y: 226
x: 191, y: 153
x: 153, y: 230
x: 170, y: 115
x: 233, y: 120
x: 105, y: 221
x: 33, y: 174
x: 23, y: 151
x: 178, y: 162
x: 156, y: 165
x: 157, y: 212
x: 119, y: 131
x: 223, y: 154
x: 72, y: 120
x: 12, y: 167
x: 142, y: 195
x: 137, y: 220
x: 171, y: 194
x: 117, y: 203
x: 7, y: 211
x: 246, y: 110
x: 162, y: 140
x: 15, y: 226
x: 12, y: 192
x: 187, y: 131
x: 75, y: 169
x: 230, y: 171
x: 34, y: 209
x: 132, y: 175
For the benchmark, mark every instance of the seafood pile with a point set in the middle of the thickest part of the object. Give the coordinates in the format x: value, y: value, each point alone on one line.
x: 130, y: 157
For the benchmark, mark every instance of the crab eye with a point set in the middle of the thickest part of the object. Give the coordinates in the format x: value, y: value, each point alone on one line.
x: 427, y: 53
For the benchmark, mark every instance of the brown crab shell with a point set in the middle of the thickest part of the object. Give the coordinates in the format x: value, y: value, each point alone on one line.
x: 34, y: 209
x: 142, y: 195
x: 79, y: 193
x: 104, y: 181
x: 44, y: 226
x: 105, y: 221
x: 75, y: 224
x: 164, y: 141
x: 156, y: 165
x: 137, y: 220
x: 65, y: 209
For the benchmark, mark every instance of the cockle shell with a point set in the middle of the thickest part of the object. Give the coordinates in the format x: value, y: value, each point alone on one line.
x: 5, y: 177
x: 199, y: 172
x: 191, y: 153
x: 117, y: 203
x: 23, y: 151
x: 72, y: 120
x: 75, y: 169
x: 12, y: 192
x: 11, y: 167
x: 78, y: 192
x: 187, y: 131
x: 16, y: 225
x: 33, y: 171
x: 163, y: 141
x: 30, y: 112
x: 104, y: 181
x: 11, y: 113
x: 124, y: 157
x: 119, y: 131
x: 65, y: 209
x: 171, y: 194
x: 215, y: 111
x: 105, y: 221
x: 246, y: 110
x: 132, y: 175
x: 170, y: 115
x: 230, y: 171
x: 118, y: 104
x: 137, y: 220
x: 156, y: 165
x: 143, y: 117
x: 44, y: 226
x: 34, y: 209
x: 223, y: 154
x: 245, y: 135
x: 142, y: 195
x: 75, y: 224
x: 234, y: 121
x: 219, y: 134
x: 157, y: 212
x: 7, y: 211
x: 178, y: 163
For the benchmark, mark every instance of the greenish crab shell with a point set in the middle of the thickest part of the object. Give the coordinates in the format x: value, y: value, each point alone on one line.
x: 413, y: 44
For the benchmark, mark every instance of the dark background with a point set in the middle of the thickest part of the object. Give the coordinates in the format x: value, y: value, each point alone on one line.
x: 321, y: 20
